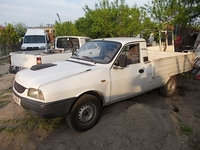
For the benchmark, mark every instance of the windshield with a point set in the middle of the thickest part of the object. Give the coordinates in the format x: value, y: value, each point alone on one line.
x: 98, y: 51
x: 34, y: 39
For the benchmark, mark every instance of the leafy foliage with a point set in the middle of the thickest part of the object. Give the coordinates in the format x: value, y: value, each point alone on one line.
x: 9, y: 35
x: 110, y: 19
x: 181, y: 12
x: 185, y: 129
x: 147, y: 26
x: 8, y: 39
x: 65, y: 28
x: 21, y: 29
x: 116, y: 19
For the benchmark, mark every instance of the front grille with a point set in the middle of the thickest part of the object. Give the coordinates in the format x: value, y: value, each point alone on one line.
x: 32, y: 48
x: 19, y: 88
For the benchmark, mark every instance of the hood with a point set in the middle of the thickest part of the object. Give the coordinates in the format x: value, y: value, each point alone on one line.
x: 43, y: 75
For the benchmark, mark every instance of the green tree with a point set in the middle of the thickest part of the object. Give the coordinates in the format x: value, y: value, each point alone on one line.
x: 20, y: 28
x: 8, y: 39
x: 181, y: 12
x: 110, y: 19
x: 148, y: 26
x: 65, y: 28
x: 190, y: 8
x: 83, y: 26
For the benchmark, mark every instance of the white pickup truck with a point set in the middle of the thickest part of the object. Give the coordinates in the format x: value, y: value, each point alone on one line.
x: 64, y: 47
x: 101, y: 72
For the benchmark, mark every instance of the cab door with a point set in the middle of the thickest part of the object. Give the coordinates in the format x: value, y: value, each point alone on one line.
x: 130, y: 80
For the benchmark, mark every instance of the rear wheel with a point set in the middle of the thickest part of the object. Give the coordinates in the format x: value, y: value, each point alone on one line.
x: 169, y: 88
x: 85, y: 113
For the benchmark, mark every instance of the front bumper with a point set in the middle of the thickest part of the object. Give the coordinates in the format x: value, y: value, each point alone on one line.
x: 47, y: 110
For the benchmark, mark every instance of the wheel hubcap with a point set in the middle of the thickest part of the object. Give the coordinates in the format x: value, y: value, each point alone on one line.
x: 86, y: 113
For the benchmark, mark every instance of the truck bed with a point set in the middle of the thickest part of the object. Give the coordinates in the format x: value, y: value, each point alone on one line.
x: 27, y: 59
x: 167, y: 64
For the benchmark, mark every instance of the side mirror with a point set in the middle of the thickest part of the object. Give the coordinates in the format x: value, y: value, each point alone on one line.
x: 122, y: 61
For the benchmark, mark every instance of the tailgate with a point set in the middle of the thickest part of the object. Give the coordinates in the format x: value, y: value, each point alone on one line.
x: 23, y: 60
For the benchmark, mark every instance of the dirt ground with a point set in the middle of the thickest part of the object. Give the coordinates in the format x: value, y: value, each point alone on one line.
x: 148, y: 121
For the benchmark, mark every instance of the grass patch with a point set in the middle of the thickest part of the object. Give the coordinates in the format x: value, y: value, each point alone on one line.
x: 185, y: 129
x: 7, y: 91
x: 32, y: 123
x: 3, y: 103
x: 9, y: 129
x: 4, y: 96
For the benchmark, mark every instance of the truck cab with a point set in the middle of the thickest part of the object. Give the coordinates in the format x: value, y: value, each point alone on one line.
x: 70, y: 43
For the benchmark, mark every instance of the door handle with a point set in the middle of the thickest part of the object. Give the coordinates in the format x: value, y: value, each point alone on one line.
x: 141, y: 71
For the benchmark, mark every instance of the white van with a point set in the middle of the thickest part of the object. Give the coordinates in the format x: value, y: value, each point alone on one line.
x: 35, y: 39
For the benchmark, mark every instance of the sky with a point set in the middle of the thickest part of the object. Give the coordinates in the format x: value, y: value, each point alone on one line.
x: 41, y: 12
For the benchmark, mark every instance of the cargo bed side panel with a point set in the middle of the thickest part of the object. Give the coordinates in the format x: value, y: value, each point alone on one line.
x: 56, y: 57
x: 169, y: 66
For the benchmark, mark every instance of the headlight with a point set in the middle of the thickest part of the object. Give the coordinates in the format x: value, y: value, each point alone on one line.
x: 42, y: 47
x: 35, y: 93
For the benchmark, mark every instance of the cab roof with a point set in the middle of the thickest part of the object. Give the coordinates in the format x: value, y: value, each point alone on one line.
x: 35, y: 32
x: 72, y: 37
x: 123, y: 40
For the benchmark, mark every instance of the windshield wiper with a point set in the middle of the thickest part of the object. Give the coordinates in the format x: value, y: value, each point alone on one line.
x: 89, y: 58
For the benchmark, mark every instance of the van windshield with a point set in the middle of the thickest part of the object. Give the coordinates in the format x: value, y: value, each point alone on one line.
x: 34, y: 39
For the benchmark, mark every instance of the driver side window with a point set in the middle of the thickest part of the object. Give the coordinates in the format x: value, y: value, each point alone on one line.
x: 132, y: 53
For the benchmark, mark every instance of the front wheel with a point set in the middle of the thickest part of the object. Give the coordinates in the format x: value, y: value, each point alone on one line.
x: 85, y: 113
x: 169, y: 88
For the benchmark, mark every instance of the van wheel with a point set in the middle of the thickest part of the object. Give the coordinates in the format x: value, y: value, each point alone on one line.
x: 85, y: 113
x: 169, y: 88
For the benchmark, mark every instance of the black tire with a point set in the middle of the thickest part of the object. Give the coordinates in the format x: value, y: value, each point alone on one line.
x: 85, y: 113
x: 169, y: 88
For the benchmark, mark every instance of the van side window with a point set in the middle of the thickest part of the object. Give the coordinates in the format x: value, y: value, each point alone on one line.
x: 132, y: 52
